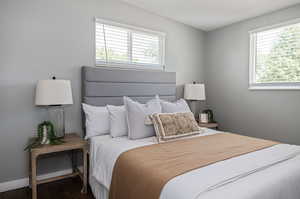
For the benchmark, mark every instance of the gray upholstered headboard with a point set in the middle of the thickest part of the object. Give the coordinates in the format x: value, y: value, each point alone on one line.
x: 102, y: 86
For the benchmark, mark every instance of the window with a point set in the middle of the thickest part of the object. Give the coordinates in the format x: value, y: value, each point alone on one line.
x: 127, y: 46
x: 275, y: 57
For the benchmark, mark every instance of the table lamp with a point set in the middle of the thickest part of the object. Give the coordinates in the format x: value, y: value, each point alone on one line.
x: 54, y: 94
x: 194, y: 92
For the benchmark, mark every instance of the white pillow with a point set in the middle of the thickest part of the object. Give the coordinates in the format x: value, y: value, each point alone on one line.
x: 137, y: 113
x: 180, y: 106
x: 117, y: 120
x: 96, y: 120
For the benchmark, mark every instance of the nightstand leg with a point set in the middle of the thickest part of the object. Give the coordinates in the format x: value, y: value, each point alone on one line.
x: 84, y: 188
x: 33, y: 177
x: 74, y: 160
x: 30, y: 177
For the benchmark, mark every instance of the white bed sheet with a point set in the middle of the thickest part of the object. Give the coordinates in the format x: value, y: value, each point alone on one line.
x: 272, y: 173
x: 99, y: 191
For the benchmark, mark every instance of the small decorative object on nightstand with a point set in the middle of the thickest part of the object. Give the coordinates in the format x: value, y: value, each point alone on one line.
x: 212, y: 125
x: 71, y: 142
x: 45, y: 135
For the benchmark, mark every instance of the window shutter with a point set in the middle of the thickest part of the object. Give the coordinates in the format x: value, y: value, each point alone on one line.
x: 112, y: 43
x: 100, y: 43
x: 278, y: 55
x: 122, y: 45
x: 145, y: 49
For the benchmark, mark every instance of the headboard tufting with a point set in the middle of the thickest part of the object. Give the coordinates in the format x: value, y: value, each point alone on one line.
x: 102, y: 86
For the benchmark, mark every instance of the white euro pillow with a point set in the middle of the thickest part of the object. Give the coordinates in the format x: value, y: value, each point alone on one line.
x: 137, y: 114
x: 179, y: 106
x: 96, y: 120
x: 117, y: 120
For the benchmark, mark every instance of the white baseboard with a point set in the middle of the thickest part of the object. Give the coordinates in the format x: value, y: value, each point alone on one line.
x: 24, y: 182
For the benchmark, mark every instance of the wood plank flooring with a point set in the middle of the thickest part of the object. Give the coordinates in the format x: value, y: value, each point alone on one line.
x: 63, y: 189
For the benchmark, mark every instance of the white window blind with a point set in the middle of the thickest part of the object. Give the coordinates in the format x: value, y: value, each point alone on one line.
x: 275, y: 56
x: 128, y: 46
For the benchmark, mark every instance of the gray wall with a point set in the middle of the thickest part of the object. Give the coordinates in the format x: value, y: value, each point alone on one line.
x: 39, y: 38
x: 266, y: 114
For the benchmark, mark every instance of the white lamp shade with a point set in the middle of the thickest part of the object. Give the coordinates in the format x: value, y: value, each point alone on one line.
x: 194, y: 92
x: 53, y: 92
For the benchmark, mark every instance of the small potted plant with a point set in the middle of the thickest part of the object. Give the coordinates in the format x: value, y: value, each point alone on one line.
x: 45, y: 135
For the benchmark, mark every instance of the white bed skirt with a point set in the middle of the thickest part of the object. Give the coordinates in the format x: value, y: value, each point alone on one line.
x: 99, y: 191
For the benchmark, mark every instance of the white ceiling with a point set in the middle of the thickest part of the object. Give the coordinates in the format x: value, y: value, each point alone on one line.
x: 211, y: 14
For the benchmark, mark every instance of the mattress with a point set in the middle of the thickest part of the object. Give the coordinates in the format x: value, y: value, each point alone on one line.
x: 271, y: 173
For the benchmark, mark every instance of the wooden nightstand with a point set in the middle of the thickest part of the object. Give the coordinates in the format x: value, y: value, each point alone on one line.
x: 72, y: 142
x: 213, y: 125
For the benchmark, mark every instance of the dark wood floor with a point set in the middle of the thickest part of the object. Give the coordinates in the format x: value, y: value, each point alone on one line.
x: 63, y: 189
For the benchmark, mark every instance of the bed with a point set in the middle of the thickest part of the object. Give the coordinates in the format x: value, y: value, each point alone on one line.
x: 270, y: 173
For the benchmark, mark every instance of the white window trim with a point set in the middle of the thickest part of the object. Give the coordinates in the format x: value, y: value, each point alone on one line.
x: 126, y: 65
x: 252, y: 61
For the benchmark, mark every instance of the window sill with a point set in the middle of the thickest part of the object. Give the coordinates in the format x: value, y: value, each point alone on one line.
x: 275, y: 87
x: 131, y: 66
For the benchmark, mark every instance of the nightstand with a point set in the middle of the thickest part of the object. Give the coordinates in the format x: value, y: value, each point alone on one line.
x: 72, y: 142
x: 212, y: 125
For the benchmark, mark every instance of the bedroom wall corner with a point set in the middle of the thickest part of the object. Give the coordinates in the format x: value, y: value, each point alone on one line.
x: 265, y: 114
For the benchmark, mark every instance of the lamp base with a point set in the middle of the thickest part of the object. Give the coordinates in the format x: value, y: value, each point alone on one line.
x: 192, y: 105
x: 57, y: 117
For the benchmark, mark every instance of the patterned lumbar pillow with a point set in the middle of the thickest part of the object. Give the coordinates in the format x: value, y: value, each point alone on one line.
x: 170, y: 126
